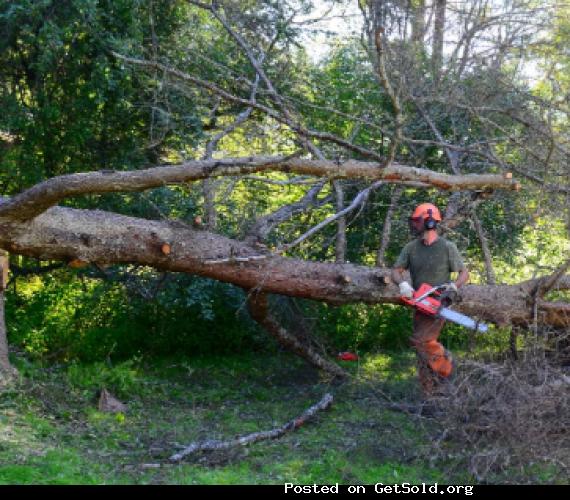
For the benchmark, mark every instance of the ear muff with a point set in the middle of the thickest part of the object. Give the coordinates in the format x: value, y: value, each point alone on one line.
x: 429, y: 221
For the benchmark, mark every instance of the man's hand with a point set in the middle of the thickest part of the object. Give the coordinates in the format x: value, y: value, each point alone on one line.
x: 451, y: 287
x: 449, y: 295
x: 406, y: 290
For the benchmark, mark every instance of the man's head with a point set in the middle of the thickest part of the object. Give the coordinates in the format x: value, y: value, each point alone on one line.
x: 425, y: 218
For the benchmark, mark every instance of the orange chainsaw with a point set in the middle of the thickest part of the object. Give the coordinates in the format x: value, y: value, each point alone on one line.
x: 429, y: 300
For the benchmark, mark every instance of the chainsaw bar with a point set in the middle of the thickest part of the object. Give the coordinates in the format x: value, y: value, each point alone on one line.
x: 462, y: 320
x: 426, y: 300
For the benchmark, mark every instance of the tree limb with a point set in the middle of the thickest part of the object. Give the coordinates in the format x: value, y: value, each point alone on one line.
x: 262, y: 227
x: 487, y: 259
x: 307, y: 415
x: 278, y: 116
x: 259, y: 310
x: 382, y: 74
x: 40, y: 197
x: 360, y: 199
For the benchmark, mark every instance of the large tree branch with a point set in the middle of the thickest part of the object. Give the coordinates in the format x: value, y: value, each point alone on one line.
x: 40, y: 197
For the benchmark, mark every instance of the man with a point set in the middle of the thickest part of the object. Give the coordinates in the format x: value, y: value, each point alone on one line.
x: 430, y: 259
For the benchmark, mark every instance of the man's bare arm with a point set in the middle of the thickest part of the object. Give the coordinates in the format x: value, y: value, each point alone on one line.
x: 462, y: 278
x: 398, y: 275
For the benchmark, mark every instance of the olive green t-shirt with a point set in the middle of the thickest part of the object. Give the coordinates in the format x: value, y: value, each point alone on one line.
x: 432, y: 264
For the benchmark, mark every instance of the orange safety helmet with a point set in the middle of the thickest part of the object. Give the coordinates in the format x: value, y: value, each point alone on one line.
x: 423, y: 211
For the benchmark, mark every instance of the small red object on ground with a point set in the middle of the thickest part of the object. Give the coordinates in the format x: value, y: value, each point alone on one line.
x: 347, y: 356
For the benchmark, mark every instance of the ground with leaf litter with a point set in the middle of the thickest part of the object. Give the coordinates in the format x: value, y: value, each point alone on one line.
x: 53, y: 432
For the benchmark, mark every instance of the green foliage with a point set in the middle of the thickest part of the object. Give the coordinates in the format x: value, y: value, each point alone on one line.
x: 364, y: 328
x: 52, y: 467
x: 121, y: 379
x: 69, y: 105
x: 64, y: 317
x: 544, y: 245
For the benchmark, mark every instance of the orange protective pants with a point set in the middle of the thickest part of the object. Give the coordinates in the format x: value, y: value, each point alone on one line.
x: 434, y: 361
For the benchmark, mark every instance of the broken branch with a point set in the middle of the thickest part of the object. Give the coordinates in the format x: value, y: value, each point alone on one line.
x: 210, y: 445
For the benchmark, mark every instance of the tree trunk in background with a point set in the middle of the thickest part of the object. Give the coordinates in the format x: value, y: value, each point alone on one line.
x: 438, y: 32
x: 418, y: 21
x: 388, y: 227
x: 340, y: 248
x: 209, y: 190
x: 489, y: 271
x: 6, y: 369
x: 5, y: 366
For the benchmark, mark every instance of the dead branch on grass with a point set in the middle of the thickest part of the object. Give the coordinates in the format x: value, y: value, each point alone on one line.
x: 212, y: 444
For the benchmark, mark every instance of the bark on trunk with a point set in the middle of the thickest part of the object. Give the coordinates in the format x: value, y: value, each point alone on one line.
x: 489, y: 271
x: 438, y: 32
x: 418, y: 22
x: 6, y: 369
x: 340, y: 248
x: 387, y: 229
x: 209, y: 190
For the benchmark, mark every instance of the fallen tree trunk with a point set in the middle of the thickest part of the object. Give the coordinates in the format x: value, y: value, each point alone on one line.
x: 107, y: 238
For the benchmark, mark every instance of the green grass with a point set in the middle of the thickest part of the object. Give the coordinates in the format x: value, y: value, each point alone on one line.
x: 52, y: 433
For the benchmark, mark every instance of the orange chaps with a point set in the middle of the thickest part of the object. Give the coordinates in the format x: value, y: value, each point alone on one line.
x: 434, y: 362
